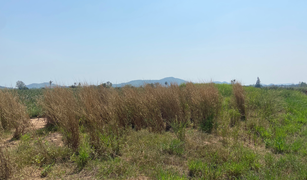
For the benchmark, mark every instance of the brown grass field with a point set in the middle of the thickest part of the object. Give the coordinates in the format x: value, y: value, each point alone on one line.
x: 191, y: 131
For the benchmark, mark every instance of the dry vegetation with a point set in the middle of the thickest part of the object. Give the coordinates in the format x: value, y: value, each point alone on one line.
x: 12, y: 114
x: 192, y: 131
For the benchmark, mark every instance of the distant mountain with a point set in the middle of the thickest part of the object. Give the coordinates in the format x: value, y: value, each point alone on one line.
x: 39, y: 85
x: 282, y: 85
x: 3, y: 87
x: 138, y: 83
x: 219, y: 82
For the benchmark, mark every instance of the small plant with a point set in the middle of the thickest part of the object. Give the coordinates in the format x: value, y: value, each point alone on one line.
x: 236, y: 169
x: 279, y: 144
x: 83, y: 155
x: 179, y: 129
x: 46, y: 170
x: 207, y: 124
x: 196, y: 168
x: 175, y: 147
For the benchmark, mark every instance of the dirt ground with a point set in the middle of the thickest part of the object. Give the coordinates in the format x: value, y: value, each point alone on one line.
x: 36, y: 124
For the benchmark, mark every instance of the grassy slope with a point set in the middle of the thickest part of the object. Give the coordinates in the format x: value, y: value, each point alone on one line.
x: 270, y: 144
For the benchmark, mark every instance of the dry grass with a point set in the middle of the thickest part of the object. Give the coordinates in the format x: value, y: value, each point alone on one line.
x: 150, y: 107
x: 13, y: 114
x: 204, y: 103
x: 105, y: 112
x: 5, y: 165
x: 239, y: 99
x: 116, y: 140
x: 62, y: 109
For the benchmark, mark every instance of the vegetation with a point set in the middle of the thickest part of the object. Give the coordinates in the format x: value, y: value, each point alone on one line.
x: 21, y: 85
x: 258, y: 85
x: 191, y: 131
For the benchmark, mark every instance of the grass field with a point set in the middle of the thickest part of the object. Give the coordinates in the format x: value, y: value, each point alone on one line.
x: 192, y: 131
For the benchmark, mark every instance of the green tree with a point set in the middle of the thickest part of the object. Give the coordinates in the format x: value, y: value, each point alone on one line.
x: 302, y: 84
x: 21, y: 85
x: 258, y: 84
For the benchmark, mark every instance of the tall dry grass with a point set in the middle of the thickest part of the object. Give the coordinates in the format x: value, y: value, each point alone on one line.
x: 5, y: 165
x: 99, y: 118
x: 239, y: 99
x: 13, y: 115
x: 104, y: 112
x: 138, y: 108
x: 205, y: 103
x: 172, y: 105
x: 61, y: 108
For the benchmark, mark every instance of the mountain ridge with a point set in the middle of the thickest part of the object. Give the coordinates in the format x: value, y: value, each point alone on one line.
x: 138, y: 83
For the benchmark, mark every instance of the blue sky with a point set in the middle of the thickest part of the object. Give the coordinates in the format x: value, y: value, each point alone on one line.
x: 120, y: 40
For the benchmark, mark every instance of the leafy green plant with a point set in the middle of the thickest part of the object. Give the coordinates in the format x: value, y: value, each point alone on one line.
x: 207, y: 124
x: 196, y: 168
x: 46, y: 170
x: 83, y: 155
x: 279, y: 144
x: 236, y: 169
x: 179, y: 129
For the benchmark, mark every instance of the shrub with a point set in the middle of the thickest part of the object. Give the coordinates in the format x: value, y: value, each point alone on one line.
x: 13, y: 114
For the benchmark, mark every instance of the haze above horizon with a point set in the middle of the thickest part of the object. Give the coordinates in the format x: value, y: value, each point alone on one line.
x: 119, y: 41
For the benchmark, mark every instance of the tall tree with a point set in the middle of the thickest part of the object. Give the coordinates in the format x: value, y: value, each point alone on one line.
x: 21, y: 85
x: 109, y: 84
x: 258, y: 85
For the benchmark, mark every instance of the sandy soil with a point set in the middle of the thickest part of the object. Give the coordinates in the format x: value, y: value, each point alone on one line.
x: 36, y: 123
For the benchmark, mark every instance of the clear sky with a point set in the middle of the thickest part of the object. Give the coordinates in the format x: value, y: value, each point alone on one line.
x: 122, y: 40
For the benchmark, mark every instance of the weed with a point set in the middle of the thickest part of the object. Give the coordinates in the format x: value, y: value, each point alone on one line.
x: 179, y: 129
x: 175, y: 147
x: 46, y: 170
x: 196, y: 168
x: 5, y: 165
x: 83, y: 155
